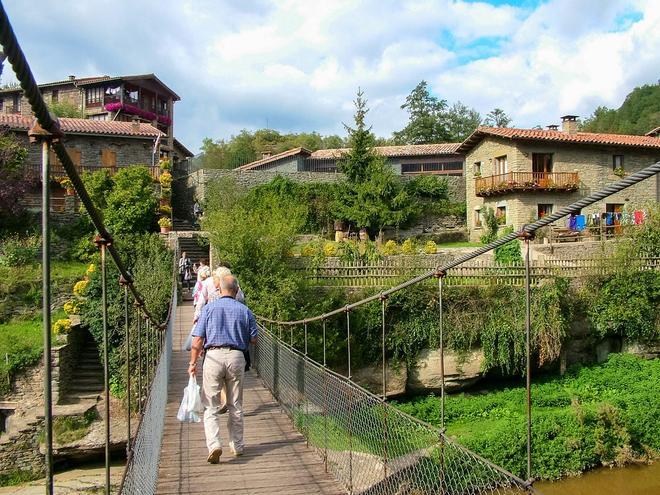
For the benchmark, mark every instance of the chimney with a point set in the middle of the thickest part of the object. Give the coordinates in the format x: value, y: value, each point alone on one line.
x: 72, y: 78
x: 553, y: 127
x: 569, y: 124
x: 135, y: 124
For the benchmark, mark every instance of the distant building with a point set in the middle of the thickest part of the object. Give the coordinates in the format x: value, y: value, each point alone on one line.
x: 144, y: 98
x: 418, y: 159
x: 524, y: 174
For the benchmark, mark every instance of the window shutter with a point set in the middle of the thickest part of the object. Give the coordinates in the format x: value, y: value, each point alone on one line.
x: 108, y: 158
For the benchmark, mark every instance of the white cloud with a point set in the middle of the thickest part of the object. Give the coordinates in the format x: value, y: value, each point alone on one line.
x: 297, y: 63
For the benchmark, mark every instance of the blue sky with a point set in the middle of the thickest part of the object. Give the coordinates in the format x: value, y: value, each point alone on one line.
x: 296, y: 64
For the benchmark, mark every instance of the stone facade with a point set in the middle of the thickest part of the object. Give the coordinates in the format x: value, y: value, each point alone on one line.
x: 592, y: 163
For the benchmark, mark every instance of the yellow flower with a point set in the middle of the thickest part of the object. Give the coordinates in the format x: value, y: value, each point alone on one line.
x: 330, y: 249
x: 408, y: 247
x: 71, y: 308
x: 91, y: 269
x: 62, y: 327
x: 80, y: 287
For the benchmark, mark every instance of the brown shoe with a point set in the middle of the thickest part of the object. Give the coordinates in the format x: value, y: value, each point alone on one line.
x: 214, y: 456
x: 223, y: 409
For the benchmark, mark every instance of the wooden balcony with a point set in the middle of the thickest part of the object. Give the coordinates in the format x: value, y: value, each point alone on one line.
x: 526, y: 182
x: 33, y: 171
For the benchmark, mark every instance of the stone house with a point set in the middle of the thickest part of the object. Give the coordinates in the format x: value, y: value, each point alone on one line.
x: 524, y: 174
x: 92, y: 145
x: 144, y: 98
x: 408, y: 160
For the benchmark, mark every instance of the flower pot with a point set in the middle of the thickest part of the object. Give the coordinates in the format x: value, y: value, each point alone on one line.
x: 164, y: 230
x: 70, y: 191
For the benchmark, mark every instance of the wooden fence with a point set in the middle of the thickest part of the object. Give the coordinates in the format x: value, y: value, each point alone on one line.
x: 391, y: 270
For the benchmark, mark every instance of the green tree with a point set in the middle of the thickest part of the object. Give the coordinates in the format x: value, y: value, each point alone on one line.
x: 639, y: 113
x: 372, y: 197
x: 65, y: 109
x: 13, y: 156
x: 497, y: 118
x: 461, y: 121
x: 427, y: 119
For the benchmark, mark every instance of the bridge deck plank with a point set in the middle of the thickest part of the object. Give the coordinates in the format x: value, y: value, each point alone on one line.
x: 276, y: 458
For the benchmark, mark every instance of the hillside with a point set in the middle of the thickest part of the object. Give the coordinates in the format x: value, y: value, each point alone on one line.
x: 639, y: 113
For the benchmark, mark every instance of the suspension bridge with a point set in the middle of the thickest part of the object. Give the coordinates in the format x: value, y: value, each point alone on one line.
x: 308, y: 429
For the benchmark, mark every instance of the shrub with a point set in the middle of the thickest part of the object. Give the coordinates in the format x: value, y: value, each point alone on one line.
x: 165, y: 164
x: 80, y: 287
x: 390, y: 248
x: 166, y: 180
x: 71, y: 307
x: 408, y: 247
x: 310, y: 249
x: 330, y: 249
x: 19, y: 250
x: 62, y: 327
x: 430, y: 247
x: 165, y: 210
x: 509, y: 253
x: 90, y: 269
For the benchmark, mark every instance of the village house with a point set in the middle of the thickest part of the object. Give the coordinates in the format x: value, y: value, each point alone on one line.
x: 92, y: 145
x: 524, y: 174
x: 407, y: 160
x: 144, y: 98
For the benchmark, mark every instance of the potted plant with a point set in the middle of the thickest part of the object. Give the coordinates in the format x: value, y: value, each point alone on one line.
x: 66, y: 183
x: 165, y: 164
x: 165, y: 210
x: 165, y: 225
x: 619, y: 172
x: 166, y: 180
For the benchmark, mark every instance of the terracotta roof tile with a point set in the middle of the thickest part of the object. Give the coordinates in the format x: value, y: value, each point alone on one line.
x: 559, y: 136
x: 85, y: 126
x: 269, y: 159
x: 396, y: 151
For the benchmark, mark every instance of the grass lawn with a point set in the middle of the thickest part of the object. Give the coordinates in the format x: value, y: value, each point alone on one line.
x: 460, y: 244
x: 605, y: 414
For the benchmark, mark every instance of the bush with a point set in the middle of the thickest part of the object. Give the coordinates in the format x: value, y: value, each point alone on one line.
x: 165, y: 210
x: 430, y: 247
x: 80, y: 288
x: 509, y: 253
x: 390, y: 248
x: 62, y: 327
x: 408, y: 247
x: 330, y: 249
x: 71, y: 307
x: 19, y: 250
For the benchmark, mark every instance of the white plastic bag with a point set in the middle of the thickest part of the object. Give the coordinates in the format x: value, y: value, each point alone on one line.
x: 191, y: 405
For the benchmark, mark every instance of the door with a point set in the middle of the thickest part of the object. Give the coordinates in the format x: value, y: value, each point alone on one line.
x: 542, y: 168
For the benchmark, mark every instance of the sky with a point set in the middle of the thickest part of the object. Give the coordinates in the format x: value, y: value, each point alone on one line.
x: 295, y: 65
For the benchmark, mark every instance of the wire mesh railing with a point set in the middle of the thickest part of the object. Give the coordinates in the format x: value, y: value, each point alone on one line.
x: 141, y: 473
x: 370, y: 446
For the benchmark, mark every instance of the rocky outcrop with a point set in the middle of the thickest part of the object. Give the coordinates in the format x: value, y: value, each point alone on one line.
x: 371, y: 378
x: 461, y: 371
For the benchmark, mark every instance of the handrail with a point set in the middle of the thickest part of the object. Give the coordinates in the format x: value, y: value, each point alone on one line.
x: 525, y: 231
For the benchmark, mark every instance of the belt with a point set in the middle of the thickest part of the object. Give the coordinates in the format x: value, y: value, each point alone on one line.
x: 230, y: 347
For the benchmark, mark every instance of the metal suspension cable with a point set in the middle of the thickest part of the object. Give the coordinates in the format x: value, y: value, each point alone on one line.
x: 51, y: 125
x: 524, y: 231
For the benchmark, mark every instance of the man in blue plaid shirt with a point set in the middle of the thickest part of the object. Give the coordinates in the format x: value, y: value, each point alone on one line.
x: 224, y: 330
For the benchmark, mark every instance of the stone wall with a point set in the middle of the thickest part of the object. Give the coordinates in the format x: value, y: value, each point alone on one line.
x: 65, y: 361
x: 20, y: 451
x: 592, y: 163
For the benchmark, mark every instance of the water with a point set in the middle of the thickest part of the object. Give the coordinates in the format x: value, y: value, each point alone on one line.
x: 631, y: 480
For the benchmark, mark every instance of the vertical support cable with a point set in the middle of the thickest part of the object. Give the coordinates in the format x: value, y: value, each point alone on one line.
x: 385, y: 436
x: 127, y: 340
x: 103, y: 243
x: 45, y: 288
x: 139, y: 353
x: 325, y: 406
x: 528, y: 331
x: 441, y: 276
x: 291, y: 336
x: 350, y: 404
x: 306, y: 428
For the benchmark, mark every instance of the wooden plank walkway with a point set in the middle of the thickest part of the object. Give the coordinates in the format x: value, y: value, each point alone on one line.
x: 276, y: 459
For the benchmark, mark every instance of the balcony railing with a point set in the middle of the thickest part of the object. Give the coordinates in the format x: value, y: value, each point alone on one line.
x: 33, y: 171
x: 526, y: 181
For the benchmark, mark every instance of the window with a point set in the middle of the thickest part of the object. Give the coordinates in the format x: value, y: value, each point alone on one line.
x: 614, y: 207
x: 500, y: 215
x: 100, y: 116
x: 477, y: 218
x: 108, y: 158
x: 617, y: 162
x: 16, y: 103
x: 2, y: 102
x: 94, y: 96
x: 543, y: 210
x: 477, y: 168
x: 501, y: 165
x: 54, y: 96
x: 542, y: 163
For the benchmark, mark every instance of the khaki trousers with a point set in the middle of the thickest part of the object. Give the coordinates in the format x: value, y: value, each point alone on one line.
x: 223, y: 368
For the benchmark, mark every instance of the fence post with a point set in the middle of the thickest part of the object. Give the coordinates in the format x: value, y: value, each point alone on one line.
x: 102, y: 244
x: 383, y: 299
x: 138, y: 321
x: 350, y: 403
x: 440, y: 276
x: 528, y: 324
x: 325, y: 406
x: 305, y: 427
x: 45, y: 271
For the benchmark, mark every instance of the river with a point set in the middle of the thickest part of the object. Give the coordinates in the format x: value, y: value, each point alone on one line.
x: 631, y: 480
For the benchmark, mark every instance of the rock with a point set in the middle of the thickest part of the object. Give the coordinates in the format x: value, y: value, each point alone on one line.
x: 646, y: 350
x: 371, y: 378
x: 460, y: 371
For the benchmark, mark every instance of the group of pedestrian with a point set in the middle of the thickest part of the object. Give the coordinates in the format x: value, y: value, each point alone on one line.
x: 223, y: 329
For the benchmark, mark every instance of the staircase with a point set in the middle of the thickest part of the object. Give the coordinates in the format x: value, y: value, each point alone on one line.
x: 193, y: 249
x: 88, y: 382
x: 179, y: 224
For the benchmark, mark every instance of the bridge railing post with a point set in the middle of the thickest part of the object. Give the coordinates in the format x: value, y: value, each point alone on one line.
x: 383, y: 300
x: 325, y: 405
x: 440, y: 276
x: 350, y: 403
x: 527, y: 237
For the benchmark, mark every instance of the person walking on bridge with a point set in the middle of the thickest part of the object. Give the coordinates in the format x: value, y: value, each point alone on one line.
x: 224, y: 330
